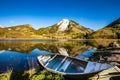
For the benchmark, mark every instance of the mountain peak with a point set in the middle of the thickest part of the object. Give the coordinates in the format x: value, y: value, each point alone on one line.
x: 63, y: 21
x: 63, y: 25
x: 115, y: 24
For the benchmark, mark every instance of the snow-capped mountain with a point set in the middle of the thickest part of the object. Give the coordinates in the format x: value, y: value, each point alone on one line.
x: 69, y: 26
x: 65, y: 28
x: 63, y: 25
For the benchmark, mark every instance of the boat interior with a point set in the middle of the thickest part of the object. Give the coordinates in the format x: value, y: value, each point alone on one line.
x: 67, y: 64
x: 64, y: 64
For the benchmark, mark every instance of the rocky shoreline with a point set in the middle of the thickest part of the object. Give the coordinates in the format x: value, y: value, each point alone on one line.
x: 108, y: 56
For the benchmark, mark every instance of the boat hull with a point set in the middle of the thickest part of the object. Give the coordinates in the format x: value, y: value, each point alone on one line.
x: 71, y: 68
x: 74, y: 76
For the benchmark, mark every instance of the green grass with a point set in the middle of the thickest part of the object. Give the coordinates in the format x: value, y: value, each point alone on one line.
x: 30, y: 75
x: 18, y: 75
x: 6, y: 76
x: 45, y: 75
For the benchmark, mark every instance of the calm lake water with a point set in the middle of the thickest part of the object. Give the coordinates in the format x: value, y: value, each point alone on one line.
x: 19, y: 55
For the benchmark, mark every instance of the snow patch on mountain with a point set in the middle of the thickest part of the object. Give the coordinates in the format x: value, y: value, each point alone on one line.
x: 1, y: 26
x: 63, y: 25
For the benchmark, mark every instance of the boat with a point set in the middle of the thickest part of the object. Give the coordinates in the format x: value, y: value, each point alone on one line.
x: 71, y: 67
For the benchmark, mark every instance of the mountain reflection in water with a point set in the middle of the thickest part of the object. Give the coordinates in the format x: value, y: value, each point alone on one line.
x: 22, y: 55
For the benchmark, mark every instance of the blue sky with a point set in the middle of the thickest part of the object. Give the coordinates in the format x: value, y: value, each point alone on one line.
x: 94, y: 14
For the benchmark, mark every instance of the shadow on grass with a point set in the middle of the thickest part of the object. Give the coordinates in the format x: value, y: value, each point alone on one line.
x: 115, y: 78
x: 19, y: 75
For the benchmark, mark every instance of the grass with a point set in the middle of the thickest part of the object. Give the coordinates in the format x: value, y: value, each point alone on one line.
x: 45, y: 75
x: 30, y: 75
x: 18, y: 75
x: 6, y: 76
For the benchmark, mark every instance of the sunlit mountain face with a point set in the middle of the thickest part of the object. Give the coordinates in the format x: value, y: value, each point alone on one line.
x: 65, y: 29
x: 111, y: 31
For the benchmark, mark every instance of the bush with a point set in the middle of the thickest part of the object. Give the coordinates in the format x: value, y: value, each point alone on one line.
x: 45, y: 75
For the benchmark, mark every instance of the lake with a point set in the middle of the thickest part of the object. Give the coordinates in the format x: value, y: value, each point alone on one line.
x: 20, y: 55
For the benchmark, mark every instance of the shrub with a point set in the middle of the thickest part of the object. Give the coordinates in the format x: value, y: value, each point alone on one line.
x: 45, y: 75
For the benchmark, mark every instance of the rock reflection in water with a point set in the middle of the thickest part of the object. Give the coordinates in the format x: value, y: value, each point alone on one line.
x: 106, y: 57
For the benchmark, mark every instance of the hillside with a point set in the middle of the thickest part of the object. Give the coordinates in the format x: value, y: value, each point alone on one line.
x: 111, y: 31
x: 20, y: 31
x: 65, y: 29
x: 3, y: 32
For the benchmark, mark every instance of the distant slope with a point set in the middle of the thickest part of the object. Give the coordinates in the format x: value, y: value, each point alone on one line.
x: 65, y: 29
x: 112, y: 31
x: 20, y: 31
x: 3, y: 32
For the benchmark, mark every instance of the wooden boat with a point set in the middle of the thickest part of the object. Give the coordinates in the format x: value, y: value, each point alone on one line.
x: 71, y: 67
